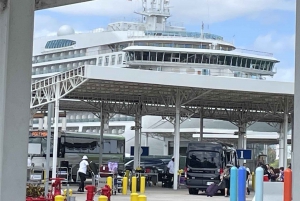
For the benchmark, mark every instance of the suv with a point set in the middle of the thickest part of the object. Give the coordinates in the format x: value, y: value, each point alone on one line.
x: 204, y: 164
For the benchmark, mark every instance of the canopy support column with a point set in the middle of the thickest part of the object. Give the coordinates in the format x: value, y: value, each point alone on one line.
x: 55, y: 137
x: 286, y: 127
x: 201, y: 125
x: 242, y: 140
x: 104, y: 127
x: 16, y: 37
x: 137, y: 145
x: 176, y: 141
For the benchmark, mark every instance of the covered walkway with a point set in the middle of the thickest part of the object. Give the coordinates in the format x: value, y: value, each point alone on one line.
x: 137, y: 93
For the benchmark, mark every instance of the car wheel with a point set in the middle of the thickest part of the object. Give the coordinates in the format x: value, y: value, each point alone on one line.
x: 193, y: 191
x: 223, y: 191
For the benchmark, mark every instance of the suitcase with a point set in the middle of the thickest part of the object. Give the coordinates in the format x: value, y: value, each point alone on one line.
x: 212, y: 189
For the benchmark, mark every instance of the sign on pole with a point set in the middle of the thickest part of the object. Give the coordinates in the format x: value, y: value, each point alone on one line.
x: 245, y: 154
x: 144, y: 151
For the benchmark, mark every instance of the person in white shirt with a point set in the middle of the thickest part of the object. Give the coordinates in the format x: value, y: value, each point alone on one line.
x: 171, y: 170
x: 83, y: 167
x: 248, y: 176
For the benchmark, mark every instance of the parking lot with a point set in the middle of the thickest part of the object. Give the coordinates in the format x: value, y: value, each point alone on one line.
x: 163, y: 194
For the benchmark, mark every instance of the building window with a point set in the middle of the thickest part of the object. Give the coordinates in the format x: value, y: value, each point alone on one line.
x: 120, y: 57
x: 106, y: 61
x: 100, y: 61
x: 113, y: 60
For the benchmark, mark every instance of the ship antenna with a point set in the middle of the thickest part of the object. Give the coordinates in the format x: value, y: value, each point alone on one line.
x: 145, y: 5
x: 208, y: 16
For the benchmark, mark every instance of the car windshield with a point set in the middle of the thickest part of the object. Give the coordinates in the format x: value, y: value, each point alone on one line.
x: 203, y: 159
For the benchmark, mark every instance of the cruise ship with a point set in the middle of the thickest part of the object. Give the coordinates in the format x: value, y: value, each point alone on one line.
x: 150, y: 44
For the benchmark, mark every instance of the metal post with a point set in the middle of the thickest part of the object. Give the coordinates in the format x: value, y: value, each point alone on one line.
x: 64, y: 124
x: 101, y: 139
x: 146, y: 140
x: 49, y: 132
x: 140, y: 142
x: 166, y: 146
x: 281, y: 146
x: 286, y: 127
x: 177, y: 142
x: 136, y: 141
x: 242, y: 140
x: 55, y: 137
x: 45, y: 120
x: 41, y: 122
x: 201, y: 124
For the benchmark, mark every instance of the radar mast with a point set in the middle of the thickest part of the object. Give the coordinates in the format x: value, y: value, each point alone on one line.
x: 156, y: 16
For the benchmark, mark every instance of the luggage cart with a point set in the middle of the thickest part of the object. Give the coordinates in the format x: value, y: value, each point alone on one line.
x: 101, y: 180
x: 117, y: 184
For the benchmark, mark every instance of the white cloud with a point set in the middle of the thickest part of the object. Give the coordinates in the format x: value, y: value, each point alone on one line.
x: 45, y: 25
x: 284, y: 74
x: 190, y: 10
x: 274, y: 43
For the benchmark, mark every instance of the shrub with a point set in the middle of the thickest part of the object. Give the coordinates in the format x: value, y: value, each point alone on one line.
x: 34, y: 190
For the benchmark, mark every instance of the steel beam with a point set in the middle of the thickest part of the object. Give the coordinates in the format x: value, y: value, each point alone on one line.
x: 45, y: 4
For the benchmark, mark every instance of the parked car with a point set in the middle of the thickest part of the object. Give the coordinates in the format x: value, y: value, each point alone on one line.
x: 155, y: 165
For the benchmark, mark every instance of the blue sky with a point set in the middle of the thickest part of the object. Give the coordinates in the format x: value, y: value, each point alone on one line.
x: 267, y: 25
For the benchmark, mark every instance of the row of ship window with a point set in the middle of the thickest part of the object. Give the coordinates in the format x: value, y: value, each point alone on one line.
x: 62, y: 67
x: 59, y: 56
x: 236, y: 61
x: 194, y: 46
x: 110, y: 60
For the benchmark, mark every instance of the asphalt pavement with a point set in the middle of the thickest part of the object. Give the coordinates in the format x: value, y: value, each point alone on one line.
x: 163, y: 194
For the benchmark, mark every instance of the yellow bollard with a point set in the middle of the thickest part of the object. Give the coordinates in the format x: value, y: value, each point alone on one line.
x: 142, y: 198
x: 134, y: 197
x: 133, y: 185
x: 124, y: 185
x: 109, y: 182
x: 102, y: 198
x: 253, y: 181
x: 59, y: 198
x: 70, y: 192
x: 142, y: 184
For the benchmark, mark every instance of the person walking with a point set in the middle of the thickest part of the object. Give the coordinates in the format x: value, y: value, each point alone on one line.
x: 83, y: 167
x: 171, y: 171
x: 226, y: 178
x: 248, y: 175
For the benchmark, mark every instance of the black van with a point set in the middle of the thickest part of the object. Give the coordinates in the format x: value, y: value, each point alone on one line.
x: 205, y: 162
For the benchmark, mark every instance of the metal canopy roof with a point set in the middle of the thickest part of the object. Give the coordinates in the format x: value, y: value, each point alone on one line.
x: 216, y: 135
x: 44, y: 4
x: 125, y: 91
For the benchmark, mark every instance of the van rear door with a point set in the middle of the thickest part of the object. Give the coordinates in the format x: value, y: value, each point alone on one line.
x: 203, y: 168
